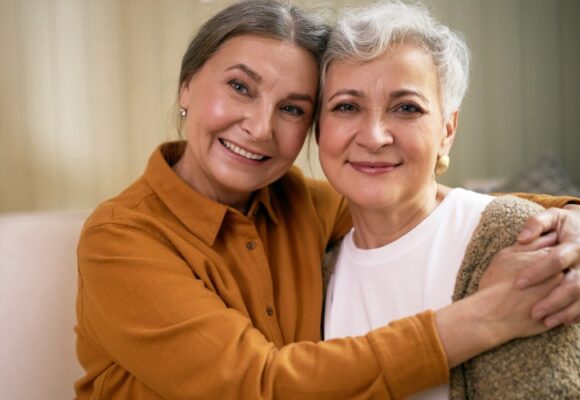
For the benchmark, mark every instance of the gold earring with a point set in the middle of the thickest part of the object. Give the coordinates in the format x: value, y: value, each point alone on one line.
x: 442, y: 165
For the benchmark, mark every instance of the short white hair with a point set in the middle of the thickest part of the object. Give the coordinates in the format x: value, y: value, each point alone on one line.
x: 363, y: 34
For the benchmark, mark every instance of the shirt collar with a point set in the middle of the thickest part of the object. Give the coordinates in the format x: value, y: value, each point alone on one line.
x: 185, y: 202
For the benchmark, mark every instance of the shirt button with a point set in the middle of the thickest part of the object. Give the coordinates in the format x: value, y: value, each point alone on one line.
x: 269, y: 311
x: 251, y: 245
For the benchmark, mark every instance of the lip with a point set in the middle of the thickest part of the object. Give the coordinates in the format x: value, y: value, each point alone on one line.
x: 374, y: 167
x: 242, y: 153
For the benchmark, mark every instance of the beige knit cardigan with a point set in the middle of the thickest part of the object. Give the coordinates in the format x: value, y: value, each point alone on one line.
x: 546, y: 366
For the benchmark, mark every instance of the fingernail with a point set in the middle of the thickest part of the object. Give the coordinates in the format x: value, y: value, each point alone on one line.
x: 538, y: 315
x: 522, y: 283
x: 552, y: 322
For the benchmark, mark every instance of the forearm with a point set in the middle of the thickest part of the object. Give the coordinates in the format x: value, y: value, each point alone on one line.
x: 144, y: 318
x: 465, y: 331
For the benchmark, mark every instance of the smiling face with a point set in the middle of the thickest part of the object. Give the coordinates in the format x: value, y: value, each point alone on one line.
x: 248, y: 112
x: 381, y: 128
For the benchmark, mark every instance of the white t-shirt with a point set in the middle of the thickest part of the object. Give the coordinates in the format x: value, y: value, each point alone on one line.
x: 370, y: 288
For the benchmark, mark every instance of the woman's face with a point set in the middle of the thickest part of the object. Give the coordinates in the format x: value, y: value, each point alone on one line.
x: 382, y: 127
x: 248, y: 112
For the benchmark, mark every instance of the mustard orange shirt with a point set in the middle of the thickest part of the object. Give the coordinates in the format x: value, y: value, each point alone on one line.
x: 181, y: 297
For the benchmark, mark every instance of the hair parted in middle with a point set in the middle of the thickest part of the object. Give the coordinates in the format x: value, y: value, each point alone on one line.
x: 277, y: 19
x: 363, y: 34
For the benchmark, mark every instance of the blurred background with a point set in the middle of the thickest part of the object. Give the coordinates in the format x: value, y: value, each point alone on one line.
x: 87, y: 91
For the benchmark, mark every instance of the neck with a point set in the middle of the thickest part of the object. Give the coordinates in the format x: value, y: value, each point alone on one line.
x: 190, y: 174
x: 378, y: 227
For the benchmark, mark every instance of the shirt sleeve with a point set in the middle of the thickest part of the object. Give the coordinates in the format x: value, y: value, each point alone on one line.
x: 546, y: 200
x: 141, y: 305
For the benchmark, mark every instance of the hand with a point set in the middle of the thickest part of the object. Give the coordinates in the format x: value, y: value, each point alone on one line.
x: 510, y: 308
x: 562, y: 305
x: 497, y: 312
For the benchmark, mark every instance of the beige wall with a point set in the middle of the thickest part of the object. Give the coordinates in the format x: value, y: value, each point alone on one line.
x: 87, y: 90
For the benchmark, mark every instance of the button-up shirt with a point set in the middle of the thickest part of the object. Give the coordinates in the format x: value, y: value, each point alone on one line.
x: 181, y: 297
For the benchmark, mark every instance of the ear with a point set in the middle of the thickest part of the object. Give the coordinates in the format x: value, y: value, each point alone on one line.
x: 450, y: 129
x: 184, y: 93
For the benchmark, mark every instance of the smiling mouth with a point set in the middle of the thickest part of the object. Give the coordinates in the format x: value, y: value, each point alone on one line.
x: 374, y: 167
x: 242, y: 152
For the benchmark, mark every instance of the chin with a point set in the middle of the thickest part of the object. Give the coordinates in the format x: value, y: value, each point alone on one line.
x: 370, y: 201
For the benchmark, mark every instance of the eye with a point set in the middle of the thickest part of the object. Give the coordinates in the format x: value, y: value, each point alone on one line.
x: 344, y: 108
x: 409, y: 108
x: 239, y: 87
x: 292, y: 110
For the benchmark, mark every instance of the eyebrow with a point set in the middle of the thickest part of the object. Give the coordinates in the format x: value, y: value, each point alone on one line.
x: 408, y: 92
x: 394, y: 95
x: 258, y: 78
x: 301, y: 97
x: 250, y: 72
x: 351, y: 92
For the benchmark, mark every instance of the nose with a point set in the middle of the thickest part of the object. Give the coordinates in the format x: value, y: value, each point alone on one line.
x: 257, y: 122
x: 374, y: 133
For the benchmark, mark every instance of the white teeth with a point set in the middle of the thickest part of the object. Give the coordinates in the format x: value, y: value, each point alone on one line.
x: 242, y: 152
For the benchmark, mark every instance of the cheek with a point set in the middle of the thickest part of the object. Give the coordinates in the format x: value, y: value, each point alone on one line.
x: 329, y: 135
x: 214, y: 111
x: 293, y: 146
x: 290, y: 140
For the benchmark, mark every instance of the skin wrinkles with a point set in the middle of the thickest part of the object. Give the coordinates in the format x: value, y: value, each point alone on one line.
x: 381, y: 130
x: 249, y: 109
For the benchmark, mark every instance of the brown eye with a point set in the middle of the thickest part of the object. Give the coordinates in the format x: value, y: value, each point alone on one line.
x: 344, y: 107
x: 410, y: 109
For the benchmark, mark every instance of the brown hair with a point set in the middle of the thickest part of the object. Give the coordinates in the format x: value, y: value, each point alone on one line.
x: 277, y: 19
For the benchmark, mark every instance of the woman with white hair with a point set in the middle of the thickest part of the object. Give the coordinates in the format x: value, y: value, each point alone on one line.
x: 393, y: 79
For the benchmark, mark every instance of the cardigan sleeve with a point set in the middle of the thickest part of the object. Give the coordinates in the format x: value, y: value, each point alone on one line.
x: 541, y: 367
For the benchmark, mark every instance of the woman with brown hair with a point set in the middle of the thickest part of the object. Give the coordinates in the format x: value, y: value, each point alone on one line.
x: 202, y: 279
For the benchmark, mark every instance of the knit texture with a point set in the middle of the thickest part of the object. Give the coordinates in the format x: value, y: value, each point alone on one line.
x: 546, y: 366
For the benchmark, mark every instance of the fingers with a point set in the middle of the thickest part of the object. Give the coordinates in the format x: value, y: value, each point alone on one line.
x: 562, y: 306
x: 560, y: 258
x: 547, y: 240
x: 535, y: 225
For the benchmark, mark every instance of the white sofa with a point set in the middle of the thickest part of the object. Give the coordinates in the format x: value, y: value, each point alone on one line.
x: 38, y: 278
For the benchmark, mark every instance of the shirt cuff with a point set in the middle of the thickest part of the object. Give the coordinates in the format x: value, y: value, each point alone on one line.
x: 411, y: 355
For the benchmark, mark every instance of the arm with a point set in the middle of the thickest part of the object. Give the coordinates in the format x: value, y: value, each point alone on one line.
x: 140, y: 305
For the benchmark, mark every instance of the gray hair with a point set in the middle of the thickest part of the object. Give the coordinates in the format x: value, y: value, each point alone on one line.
x: 364, y: 34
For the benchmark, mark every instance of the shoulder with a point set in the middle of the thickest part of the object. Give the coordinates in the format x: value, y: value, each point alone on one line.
x: 315, y: 202
x: 135, y: 218
x: 499, y: 226
x: 305, y: 193
x: 503, y: 219
x: 505, y: 216
x: 316, y: 190
x: 127, y: 207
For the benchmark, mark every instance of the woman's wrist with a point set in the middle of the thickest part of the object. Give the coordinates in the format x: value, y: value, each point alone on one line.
x: 468, y: 328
